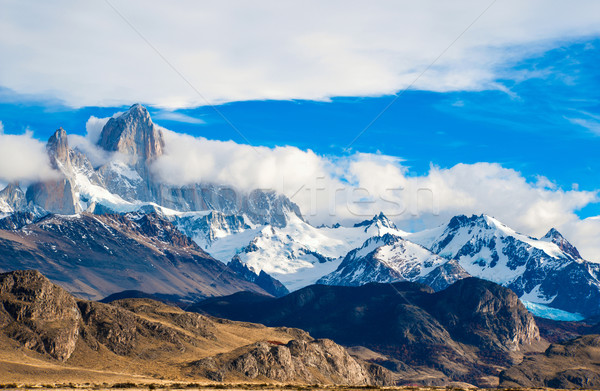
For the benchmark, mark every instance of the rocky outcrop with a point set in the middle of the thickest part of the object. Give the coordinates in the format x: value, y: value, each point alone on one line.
x: 572, y: 364
x: 56, y: 196
x: 556, y: 237
x: 58, y: 148
x: 138, y: 142
x: 38, y: 314
x: 319, y: 361
x: 496, y: 319
x: 64, y: 195
x: 134, y: 135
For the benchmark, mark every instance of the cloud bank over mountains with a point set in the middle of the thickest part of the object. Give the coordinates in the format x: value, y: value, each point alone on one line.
x: 116, y: 52
x: 349, y: 188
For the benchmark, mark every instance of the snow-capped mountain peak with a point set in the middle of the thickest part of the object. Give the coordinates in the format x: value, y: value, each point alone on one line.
x: 545, y: 271
x: 390, y: 258
x: 553, y: 236
x: 379, y: 219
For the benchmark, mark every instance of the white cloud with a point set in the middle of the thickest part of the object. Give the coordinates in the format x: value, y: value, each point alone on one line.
x: 96, y: 155
x: 354, y: 187
x: 592, y: 123
x: 87, y: 143
x: 23, y: 158
x: 236, y: 50
x: 179, y: 117
x: 93, y: 128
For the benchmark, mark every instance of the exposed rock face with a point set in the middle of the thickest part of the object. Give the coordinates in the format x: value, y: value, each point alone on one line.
x: 572, y: 364
x: 306, y: 360
x: 133, y: 134
x: 481, y: 304
x: 139, y: 142
x: 38, y: 314
x: 58, y: 148
x: 466, y: 332
x: 56, y: 196
x: 12, y: 198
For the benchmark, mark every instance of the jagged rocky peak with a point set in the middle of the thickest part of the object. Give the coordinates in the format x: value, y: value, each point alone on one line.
x: 556, y: 237
x: 380, y: 219
x: 463, y: 221
x: 134, y: 134
x: 58, y: 147
x: 12, y: 198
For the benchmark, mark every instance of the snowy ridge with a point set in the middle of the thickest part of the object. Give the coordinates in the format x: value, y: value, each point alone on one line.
x: 545, y: 271
x: 390, y: 258
x: 297, y: 254
x: 488, y: 249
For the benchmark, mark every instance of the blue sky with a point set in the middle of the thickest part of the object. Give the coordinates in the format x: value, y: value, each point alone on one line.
x: 545, y: 124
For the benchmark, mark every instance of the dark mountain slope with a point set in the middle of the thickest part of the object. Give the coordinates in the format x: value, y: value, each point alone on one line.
x: 94, y: 256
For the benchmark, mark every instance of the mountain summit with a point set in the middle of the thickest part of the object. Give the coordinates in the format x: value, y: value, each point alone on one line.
x: 556, y: 237
x: 379, y: 220
x: 135, y: 135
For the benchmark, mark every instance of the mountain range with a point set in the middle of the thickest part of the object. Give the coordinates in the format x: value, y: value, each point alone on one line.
x: 261, y: 235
